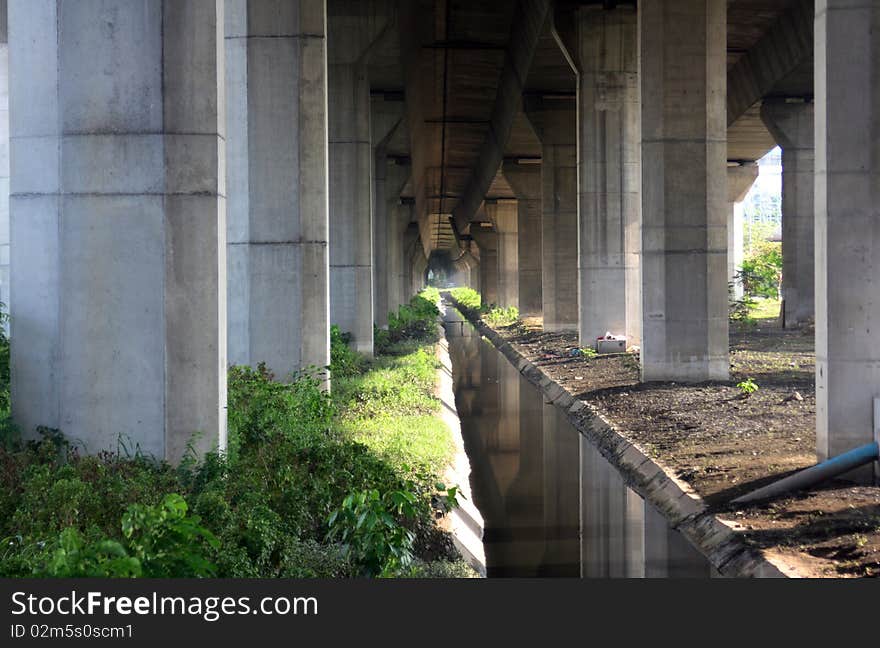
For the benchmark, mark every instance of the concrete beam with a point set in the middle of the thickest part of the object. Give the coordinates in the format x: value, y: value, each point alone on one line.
x: 277, y: 265
x: 684, y: 220
x: 525, y: 33
x: 787, y: 45
x: 118, y: 223
x: 847, y: 113
x: 791, y: 124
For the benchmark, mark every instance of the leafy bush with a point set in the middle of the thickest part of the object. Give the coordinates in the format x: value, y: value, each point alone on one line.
x: 761, y: 270
x: 295, y: 454
x: 467, y: 298
x: 497, y: 316
x: 747, y: 387
x: 344, y: 361
x: 367, y: 526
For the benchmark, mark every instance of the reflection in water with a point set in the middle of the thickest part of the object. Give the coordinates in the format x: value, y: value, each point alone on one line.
x: 552, y: 505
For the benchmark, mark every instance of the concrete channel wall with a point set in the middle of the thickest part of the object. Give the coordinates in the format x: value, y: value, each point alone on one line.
x: 685, y: 511
x: 464, y: 522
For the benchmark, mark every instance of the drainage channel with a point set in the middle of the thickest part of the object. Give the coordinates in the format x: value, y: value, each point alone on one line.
x: 552, y: 505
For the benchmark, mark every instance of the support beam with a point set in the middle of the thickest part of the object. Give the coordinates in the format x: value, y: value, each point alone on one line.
x: 278, y: 272
x: 525, y: 180
x: 555, y: 124
x: 504, y: 215
x: 608, y: 166
x: 847, y: 224
x: 4, y: 159
x: 740, y: 178
x: 118, y: 223
x: 791, y: 125
x: 684, y: 220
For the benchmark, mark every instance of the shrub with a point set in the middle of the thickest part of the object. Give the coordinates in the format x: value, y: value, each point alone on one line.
x: 761, y: 270
x: 497, y: 316
x: 467, y: 298
x: 344, y: 361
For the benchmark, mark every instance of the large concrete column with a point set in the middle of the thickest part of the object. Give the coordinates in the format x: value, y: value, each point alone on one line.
x: 684, y: 221
x: 740, y: 178
x: 276, y: 70
x: 608, y: 137
x: 118, y: 223
x: 504, y: 215
x: 525, y: 180
x: 4, y: 158
x: 847, y: 224
x: 554, y: 121
x: 487, y: 240
x: 399, y: 217
x: 792, y: 127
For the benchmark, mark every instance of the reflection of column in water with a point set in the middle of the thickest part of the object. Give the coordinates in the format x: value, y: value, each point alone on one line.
x: 562, y: 492
x: 667, y: 553
x: 635, y: 535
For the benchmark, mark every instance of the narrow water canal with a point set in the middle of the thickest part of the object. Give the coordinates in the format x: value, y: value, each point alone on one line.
x: 552, y: 505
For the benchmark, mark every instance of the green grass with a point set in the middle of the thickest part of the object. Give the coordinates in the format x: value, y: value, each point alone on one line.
x: 765, y: 309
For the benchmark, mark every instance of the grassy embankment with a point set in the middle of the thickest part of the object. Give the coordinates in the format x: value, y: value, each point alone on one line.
x: 313, y: 485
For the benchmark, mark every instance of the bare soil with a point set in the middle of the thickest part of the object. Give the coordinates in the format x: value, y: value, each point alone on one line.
x: 724, y: 443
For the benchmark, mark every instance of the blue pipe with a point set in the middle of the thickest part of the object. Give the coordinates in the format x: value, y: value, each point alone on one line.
x: 815, y: 474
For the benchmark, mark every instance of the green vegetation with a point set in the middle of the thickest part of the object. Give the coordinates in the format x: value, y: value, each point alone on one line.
x: 312, y: 485
x: 588, y: 352
x: 747, y: 387
x: 470, y: 300
x: 759, y: 276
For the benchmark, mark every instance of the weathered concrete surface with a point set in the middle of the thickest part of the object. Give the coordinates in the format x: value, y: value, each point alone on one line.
x: 487, y: 240
x: 847, y: 113
x: 673, y: 499
x: 791, y: 124
x: 609, y: 208
x: 278, y: 273
x: 525, y: 180
x: 4, y: 159
x: 118, y: 223
x: 740, y: 178
x: 554, y: 121
x: 353, y: 29
x: 684, y: 187
x: 504, y: 215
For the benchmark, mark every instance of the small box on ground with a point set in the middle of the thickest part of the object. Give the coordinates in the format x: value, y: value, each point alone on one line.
x: 611, y: 344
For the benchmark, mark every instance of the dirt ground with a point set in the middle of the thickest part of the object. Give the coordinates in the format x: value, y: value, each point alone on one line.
x: 724, y: 443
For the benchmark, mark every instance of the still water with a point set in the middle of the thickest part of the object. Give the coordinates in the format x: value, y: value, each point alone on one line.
x: 552, y: 505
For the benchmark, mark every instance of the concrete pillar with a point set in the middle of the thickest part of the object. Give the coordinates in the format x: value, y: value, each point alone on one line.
x: 684, y: 221
x: 847, y: 224
x: 554, y: 121
x: 420, y: 265
x: 792, y: 127
x: 609, y: 207
x: 388, y: 182
x: 4, y: 159
x: 489, y: 282
x: 351, y: 229
x: 276, y: 71
x: 399, y: 216
x: 412, y: 246
x: 525, y: 180
x: 740, y: 178
x: 118, y: 223
x: 504, y: 215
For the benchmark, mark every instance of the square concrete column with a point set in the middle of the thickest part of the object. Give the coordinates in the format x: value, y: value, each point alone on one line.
x: 351, y: 197
x: 278, y: 264
x: 487, y: 240
x: 555, y: 123
x: 4, y: 158
x: 504, y: 215
x: 609, y: 207
x: 684, y: 190
x: 118, y: 223
x: 525, y: 180
x: 791, y: 124
x: 847, y: 224
x: 390, y: 179
x: 740, y: 178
